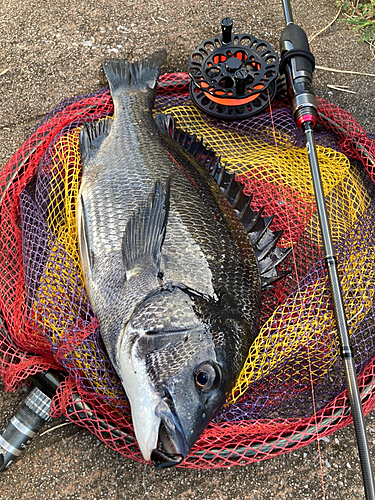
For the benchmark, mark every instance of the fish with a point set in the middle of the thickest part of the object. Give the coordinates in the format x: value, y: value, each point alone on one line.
x: 168, y: 265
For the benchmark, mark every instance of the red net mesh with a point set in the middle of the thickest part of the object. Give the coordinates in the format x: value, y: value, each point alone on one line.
x: 48, y: 321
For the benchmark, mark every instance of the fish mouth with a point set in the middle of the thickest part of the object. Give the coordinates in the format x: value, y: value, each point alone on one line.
x: 172, y: 447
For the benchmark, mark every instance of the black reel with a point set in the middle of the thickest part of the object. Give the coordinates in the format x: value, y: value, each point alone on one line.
x: 233, y: 76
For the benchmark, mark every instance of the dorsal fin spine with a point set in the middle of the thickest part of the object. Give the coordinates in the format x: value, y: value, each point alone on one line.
x: 255, y: 225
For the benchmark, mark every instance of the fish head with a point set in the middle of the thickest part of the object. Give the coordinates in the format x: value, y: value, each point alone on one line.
x: 173, y: 374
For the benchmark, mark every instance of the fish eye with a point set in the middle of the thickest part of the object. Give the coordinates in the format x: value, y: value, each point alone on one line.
x: 207, y: 376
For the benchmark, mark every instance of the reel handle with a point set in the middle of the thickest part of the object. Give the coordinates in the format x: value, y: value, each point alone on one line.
x: 226, y: 29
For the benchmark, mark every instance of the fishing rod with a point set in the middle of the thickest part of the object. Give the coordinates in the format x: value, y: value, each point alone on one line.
x: 297, y: 63
x: 247, y: 94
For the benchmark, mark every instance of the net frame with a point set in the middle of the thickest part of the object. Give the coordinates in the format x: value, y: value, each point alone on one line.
x: 275, y: 436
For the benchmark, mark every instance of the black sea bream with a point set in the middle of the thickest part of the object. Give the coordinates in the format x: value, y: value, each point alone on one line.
x: 168, y: 266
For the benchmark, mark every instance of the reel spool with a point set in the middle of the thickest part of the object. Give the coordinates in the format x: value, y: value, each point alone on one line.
x: 233, y: 76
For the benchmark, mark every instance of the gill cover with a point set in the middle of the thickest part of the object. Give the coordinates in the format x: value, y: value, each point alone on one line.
x: 171, y: 374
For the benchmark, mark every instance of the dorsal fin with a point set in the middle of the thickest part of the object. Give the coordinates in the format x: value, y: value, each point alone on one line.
x: 262, y: 238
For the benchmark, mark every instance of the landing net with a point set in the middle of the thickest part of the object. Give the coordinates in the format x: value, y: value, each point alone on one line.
x: 48, y: 321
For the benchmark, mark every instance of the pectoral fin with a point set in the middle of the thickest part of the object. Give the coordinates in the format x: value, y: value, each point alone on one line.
x: 145, y: 231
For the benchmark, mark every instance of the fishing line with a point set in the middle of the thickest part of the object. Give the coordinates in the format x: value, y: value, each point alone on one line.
x: 297, y: 62
x: 213, y: 453
x: 300, y: 295
x: 233, y: 75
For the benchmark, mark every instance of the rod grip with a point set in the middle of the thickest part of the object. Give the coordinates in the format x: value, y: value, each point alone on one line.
x: 294, y: 44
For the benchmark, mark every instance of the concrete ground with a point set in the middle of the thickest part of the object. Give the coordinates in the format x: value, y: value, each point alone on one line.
x: 52, y: 50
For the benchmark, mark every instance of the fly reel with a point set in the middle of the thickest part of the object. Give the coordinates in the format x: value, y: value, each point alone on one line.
x: 233, y: 76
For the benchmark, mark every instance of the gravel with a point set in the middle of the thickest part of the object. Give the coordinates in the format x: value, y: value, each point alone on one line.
x: 52, y: 50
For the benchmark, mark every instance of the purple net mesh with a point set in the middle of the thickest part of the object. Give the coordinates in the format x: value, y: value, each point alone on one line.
x: 50, y: 322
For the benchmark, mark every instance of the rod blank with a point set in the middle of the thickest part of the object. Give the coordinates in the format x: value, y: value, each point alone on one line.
x: 298, y: 64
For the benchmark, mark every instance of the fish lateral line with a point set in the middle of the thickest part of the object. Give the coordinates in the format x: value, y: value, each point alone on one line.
x: 262, y: 238
x: 193, y: 183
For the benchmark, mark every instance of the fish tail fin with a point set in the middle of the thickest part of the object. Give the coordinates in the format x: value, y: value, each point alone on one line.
x: 145, y: 73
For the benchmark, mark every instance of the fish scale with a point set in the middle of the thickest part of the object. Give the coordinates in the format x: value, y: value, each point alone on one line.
x: 168, y: 267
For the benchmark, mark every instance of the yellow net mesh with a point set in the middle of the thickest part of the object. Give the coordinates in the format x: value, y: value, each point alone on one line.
x: 286, y: 168
x: 293, y: 376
